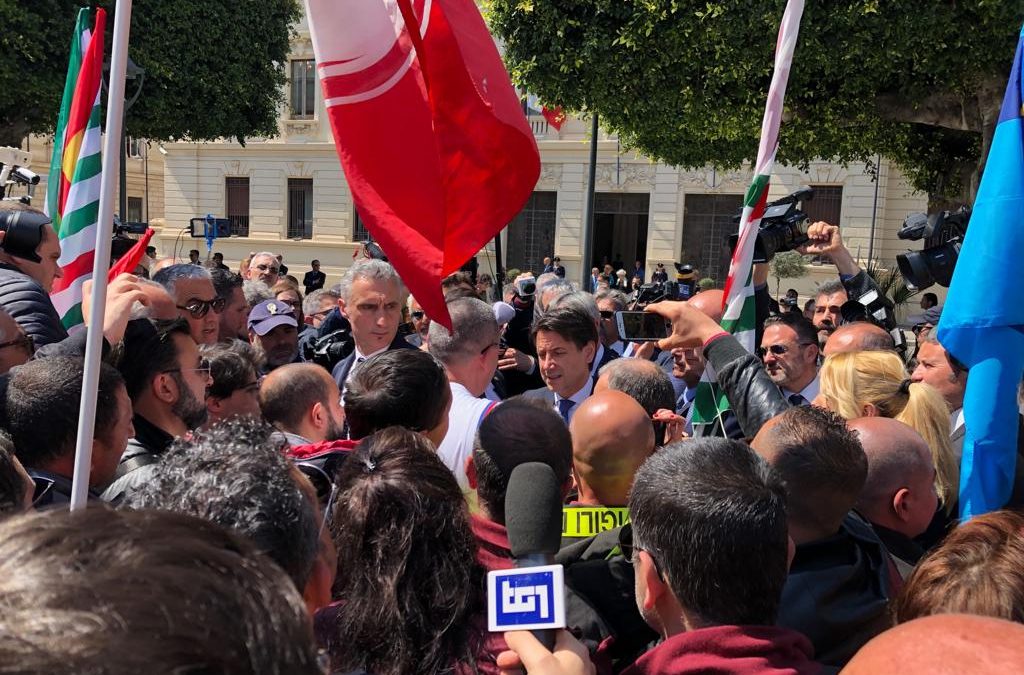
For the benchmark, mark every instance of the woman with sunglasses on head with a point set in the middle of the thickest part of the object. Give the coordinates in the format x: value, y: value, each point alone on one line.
x: 410, y: 593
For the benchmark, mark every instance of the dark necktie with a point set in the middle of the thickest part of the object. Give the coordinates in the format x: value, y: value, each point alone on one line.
x: 564, y: 406
x: 797, y: 399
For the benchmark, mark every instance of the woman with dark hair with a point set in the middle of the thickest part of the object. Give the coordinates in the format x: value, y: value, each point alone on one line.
x: 410, y: 592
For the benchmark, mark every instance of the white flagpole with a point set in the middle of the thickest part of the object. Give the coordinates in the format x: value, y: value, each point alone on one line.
x: 112, y: 153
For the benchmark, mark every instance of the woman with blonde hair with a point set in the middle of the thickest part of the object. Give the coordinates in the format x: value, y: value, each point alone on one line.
x: 876, y: 384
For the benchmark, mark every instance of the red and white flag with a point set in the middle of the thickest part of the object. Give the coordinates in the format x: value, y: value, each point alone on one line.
x: 430, y: 132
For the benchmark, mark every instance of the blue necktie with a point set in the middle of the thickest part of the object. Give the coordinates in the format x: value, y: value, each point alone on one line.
x: 797, y: 400
x: 564, y: 406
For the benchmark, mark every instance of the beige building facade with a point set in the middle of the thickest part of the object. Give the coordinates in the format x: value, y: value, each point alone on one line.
x: 288, y: 195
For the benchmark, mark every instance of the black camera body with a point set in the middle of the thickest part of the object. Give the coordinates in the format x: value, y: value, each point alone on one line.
x: 783, y: 226
x: 330, y: 349
x: 944, y: 234
x: 649, y: 294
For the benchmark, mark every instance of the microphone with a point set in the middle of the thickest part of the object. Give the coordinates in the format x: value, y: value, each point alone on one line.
x: 533, y: 519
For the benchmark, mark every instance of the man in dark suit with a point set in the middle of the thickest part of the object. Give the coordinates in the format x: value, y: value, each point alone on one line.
x: 314, y: 279
x: 569, y: 356
x: 371, y: 300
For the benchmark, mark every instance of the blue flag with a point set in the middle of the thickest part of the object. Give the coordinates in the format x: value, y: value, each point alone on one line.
x: 983, y: 322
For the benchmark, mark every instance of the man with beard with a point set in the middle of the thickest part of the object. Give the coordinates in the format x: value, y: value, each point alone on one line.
x: 302, y: 401
x: 827, y: 304
x: 228, y: 286
x: 274, y: 332
x: 166, y: 378
x: 789, y: 350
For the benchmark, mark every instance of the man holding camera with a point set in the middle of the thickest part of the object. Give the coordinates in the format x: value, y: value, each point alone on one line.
x: 29, y: 255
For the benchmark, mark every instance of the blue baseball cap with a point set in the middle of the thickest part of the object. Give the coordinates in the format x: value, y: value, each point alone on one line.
x: 270, y: 314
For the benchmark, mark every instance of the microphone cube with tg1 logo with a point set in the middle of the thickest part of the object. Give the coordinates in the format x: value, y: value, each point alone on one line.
x: 529, y: 598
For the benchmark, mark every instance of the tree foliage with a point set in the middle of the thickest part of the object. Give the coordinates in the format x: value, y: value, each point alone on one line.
x: 787, y: 265
x: 684, y: 81
x: 214, y: 68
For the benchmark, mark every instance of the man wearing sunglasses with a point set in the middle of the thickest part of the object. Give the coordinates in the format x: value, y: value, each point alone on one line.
x: 264, y: 267
x: 196, y: 299
x: 709, y: 546
x: 789, y: 350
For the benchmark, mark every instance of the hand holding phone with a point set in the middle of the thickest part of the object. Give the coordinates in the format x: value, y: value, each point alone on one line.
x: 641, y: 326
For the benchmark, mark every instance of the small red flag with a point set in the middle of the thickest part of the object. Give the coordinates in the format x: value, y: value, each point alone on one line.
x: 555, y: 116
x: 432, y: 138
x: 130, y: 260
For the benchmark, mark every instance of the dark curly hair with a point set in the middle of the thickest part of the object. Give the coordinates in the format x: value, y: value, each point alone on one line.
x: 410, y: 587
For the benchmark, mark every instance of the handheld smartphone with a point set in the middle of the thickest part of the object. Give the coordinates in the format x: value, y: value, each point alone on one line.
x: 641, y: 326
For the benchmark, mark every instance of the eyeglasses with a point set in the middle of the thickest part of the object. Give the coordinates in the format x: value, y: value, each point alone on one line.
x: 778, y: 350
x: 203, y: 371
x: 23, y: 341
x: 630, y: 547
x: 417, y: 315
x: 199, y: 308
x: 268, y: 268
x: 607, y: 314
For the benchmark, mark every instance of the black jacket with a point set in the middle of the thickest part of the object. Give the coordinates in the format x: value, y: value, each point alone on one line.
x: 754, y: 398
x: 139, y: 461
x: 313, y: 281
x: 838, y: 590
x: 53, y: 490
x: 24, y: 299
x: 342, y: 368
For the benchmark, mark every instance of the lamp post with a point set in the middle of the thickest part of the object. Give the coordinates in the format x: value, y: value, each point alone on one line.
x: 137, y: 74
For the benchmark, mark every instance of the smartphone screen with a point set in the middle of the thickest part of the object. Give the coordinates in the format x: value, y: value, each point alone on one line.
x: 641, y: 326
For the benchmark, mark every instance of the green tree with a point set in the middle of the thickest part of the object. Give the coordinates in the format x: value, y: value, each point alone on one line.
x: 788, y: 265
x: 213, y: 68
x: 684, y: 81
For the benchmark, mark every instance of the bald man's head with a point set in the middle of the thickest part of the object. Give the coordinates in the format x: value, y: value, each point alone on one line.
x: 611, y: 437
x: 859, y: 336
x: 943, y: 644
x: 295, y: 393
x: 709, y: 302
x: 899, y: 492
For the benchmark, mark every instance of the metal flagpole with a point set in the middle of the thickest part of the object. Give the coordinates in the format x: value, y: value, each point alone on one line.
x: 588, y: 206
x: 94, y: 339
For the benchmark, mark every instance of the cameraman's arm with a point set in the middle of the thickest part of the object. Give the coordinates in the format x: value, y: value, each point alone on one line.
x: 826, y: 240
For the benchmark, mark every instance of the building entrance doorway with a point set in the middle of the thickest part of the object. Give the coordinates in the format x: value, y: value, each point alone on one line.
x: 620, y: 230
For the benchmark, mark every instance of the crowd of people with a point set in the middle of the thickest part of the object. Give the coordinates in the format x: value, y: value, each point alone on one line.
x: 291, y: 478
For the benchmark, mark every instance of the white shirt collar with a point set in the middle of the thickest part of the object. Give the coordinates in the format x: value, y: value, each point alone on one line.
x: 577, y: 398
x: 956, y: 419
x: 810, y: 392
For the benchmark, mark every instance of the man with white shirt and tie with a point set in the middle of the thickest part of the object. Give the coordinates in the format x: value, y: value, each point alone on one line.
x: 371, y: 299
x: 470, y: 356
x: 567, y: 343
x: 789, y: 350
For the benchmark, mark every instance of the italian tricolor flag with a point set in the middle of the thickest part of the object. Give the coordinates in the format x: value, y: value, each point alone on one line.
x: 739, y: 315
x: 73, y: 186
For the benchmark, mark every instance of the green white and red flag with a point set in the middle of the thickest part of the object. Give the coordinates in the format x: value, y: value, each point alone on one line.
x: 739, y: 313
x: 73, y: 186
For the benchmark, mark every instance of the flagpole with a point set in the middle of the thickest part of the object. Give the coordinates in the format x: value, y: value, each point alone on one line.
x: 588, y: 206
x: 101, y: 262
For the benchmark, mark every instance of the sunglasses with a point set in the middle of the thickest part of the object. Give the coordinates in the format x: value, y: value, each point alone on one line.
x: 417, y: 315
x: 629, y: 547
x: 23, y: 341
x: 326, y: 490
x: 607, y: 314
x: 268, y: 268
x: 197, y: 308
x: 777, y: 350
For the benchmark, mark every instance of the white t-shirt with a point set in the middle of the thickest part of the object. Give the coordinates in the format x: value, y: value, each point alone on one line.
x: 464, y: 419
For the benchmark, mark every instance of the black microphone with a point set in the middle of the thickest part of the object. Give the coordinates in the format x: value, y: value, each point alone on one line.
x: 533, y: 519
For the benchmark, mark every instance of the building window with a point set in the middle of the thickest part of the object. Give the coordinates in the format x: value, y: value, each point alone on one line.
x: 134, y: 210
x: 826, y: 206
x: 135, y: 147
x: 707, y: 224
x: 300, y: 208
x: 237, y: 207
x: 303, y: 89
x: 531, y: 236
x: 359, y: 231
